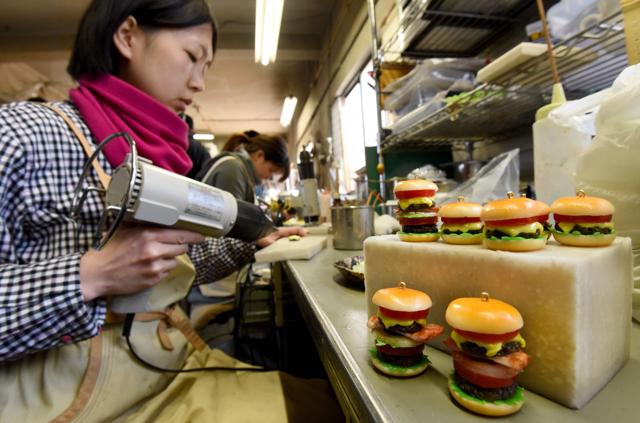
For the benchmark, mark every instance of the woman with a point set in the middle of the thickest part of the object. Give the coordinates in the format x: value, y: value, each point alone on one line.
x: 138, y: 63
x: 245, y: 162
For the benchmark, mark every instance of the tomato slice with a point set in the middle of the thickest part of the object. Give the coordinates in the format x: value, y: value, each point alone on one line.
x: 583, y: 219
x: 400, y: 352
x: 405, y: 195
x: 482, y: 373
x: 487, y: 338
x: 517, y: 222
x: 460, y: 220
x: 405, y: 315
x: 415, y: 221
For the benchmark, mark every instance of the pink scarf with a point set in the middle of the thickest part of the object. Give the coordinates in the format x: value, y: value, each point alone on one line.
x: 108, y: 105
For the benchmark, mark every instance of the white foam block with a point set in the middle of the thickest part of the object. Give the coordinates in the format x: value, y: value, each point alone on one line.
x: 284, y: 249
x: 575, y: 302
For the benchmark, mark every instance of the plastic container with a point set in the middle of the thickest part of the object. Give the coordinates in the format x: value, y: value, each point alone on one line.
x: 422, y: 84
x: 558, y: 141
x: 569, y: 17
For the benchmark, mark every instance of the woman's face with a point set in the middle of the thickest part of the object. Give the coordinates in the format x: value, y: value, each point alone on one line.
x: 168, y: 64
x: 265, y: 169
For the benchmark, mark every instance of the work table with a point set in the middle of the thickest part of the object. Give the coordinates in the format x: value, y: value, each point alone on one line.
x: 336, y: 315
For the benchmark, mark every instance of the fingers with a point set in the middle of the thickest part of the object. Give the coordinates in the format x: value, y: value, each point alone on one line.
x: 159, y: 269
x: 177, y: 236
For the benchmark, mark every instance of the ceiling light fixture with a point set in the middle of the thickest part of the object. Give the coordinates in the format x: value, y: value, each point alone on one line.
x: 288, y: 108
x: 268, y: 19
x: 204, y: 137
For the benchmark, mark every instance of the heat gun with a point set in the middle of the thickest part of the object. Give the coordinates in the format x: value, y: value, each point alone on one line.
x: 144, y: 193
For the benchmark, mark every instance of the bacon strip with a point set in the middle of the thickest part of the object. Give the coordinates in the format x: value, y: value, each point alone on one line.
x: 374, y: 323
x: 423, y: 335
x: 426, y: 333
x: 516, y: 360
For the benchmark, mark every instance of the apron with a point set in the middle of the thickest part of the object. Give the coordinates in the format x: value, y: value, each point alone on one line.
x: 99, y: 380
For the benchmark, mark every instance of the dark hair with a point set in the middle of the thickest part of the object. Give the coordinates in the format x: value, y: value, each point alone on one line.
x: 274, y: 147
x: 94, y: 52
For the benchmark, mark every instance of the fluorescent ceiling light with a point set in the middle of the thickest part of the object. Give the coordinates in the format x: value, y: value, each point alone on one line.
x: 204, y: 137
x: 288, y: 108
x: 268, y: 19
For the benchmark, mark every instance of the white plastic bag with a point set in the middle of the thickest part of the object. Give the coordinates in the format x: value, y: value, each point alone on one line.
x: 610, y: 168
x: 492, y: 181
x: 558, y: 141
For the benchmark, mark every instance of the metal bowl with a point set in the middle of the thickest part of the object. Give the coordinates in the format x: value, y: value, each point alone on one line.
x: 351, y: 269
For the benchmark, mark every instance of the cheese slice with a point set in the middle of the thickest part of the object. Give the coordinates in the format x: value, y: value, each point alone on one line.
x: 492, y: 349
x: 462, y: 227
x: 515, y: 230
x: 388, y: 322
x: 567, y: 227
x: 429, y: 201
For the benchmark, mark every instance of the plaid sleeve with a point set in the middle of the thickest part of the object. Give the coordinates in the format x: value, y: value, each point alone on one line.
x: 218, y: 257
x: 41, y: 304
x: 41, y: 307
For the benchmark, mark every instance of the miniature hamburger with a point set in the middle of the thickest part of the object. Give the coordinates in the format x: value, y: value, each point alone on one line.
x: 401, y: 330
x: 583, y: 221
x: 515, y: 224
x: 416, y: 210
x: 486, y: 347
x: 461, y: 223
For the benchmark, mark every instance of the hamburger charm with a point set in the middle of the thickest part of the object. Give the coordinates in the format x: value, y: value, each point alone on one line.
x: 461, y: 223
x: 401, y: 330
x: 486, y: 347
x: 583, y: 221
x: 515, y: 224
x: 416, y: 210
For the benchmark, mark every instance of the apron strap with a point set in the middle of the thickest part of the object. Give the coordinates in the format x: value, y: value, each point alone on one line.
x: 102, y: 175
x: 88, y: 382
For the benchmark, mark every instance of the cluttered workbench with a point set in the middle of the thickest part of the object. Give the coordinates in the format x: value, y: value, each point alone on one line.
x: 336, y: 313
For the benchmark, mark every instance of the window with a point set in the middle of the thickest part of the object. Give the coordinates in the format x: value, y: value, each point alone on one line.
x: 355, y: 126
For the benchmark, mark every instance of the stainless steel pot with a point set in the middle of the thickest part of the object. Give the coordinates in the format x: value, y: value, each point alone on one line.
x: 351, y: 226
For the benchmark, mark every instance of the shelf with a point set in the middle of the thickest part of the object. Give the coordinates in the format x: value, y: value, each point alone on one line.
x: 452, y: 28
x: 499, y: 112
x: 587, y: 62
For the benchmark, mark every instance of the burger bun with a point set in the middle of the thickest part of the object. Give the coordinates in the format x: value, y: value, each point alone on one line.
x: 515, y: 245
x: 401, y: 299
x: 486, y: 408
x: 414, y: 185
x: 584, y: 240
x: 460, y: 209
x: 409, y: 237
x: 462, y: 239
x: 582, y: 206
x: 513, y: 208
x: 489, y: 316
x: 397, y: 371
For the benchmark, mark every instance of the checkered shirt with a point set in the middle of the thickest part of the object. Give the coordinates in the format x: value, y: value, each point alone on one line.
x: 41, y: 304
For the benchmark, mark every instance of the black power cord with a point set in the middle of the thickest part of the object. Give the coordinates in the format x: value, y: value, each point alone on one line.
x: 126, y: 332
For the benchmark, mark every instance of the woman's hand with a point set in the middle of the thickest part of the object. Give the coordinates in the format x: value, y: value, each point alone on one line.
x: 281, y: 233
x: 136, y: 258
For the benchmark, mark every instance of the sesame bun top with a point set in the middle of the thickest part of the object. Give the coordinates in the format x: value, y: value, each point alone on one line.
x: 483, y: 315
x: 415, y: 185
x: 582, y: 205
x: 513, y: 208
x: 401, y: 298
x: 460, y: 209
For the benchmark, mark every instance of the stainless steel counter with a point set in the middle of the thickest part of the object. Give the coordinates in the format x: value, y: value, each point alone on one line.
x: 336, y: 316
